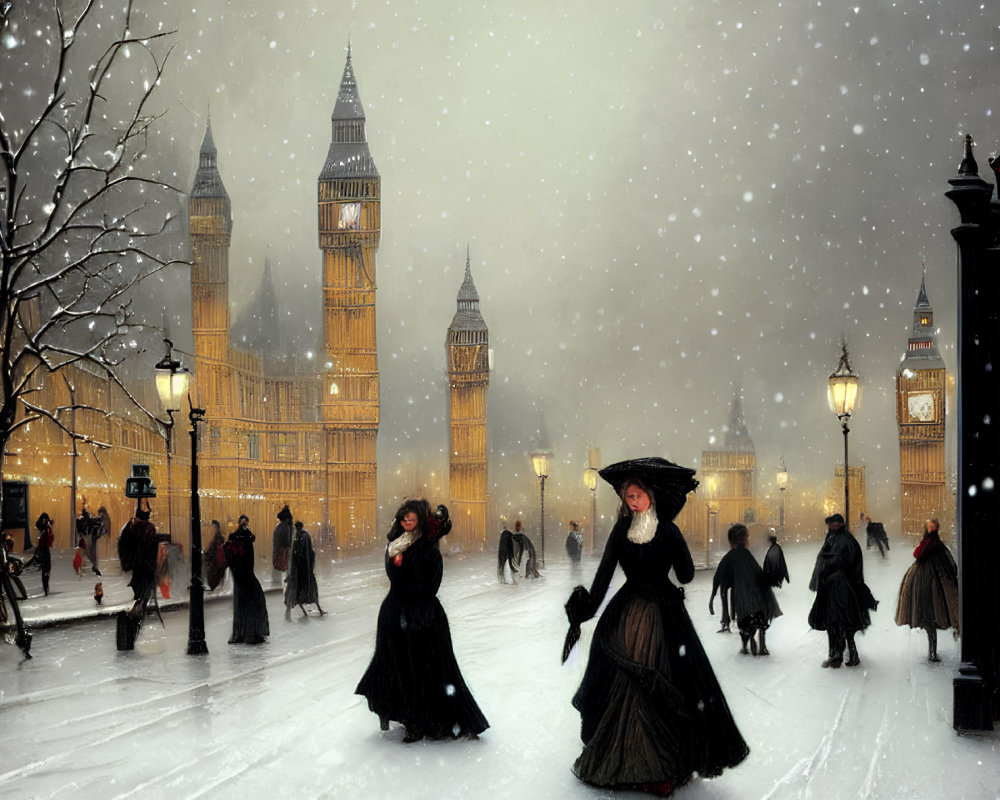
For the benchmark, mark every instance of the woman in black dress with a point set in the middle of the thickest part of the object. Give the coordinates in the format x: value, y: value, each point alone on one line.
x: 250, y: 624
x: 652, y: 712
x: 413, y: 677
x: 43, y: 549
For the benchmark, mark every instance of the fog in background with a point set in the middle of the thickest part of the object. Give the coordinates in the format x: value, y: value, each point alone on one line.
x: 663, y: 202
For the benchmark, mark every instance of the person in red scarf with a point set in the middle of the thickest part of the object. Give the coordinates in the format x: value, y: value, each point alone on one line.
x: 928, y: 594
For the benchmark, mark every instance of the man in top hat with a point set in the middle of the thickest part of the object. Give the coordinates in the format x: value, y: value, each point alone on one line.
x: 842, y: 598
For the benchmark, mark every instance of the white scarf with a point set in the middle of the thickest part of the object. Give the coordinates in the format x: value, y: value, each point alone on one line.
x: 401, y: 542
x: 643, y: 527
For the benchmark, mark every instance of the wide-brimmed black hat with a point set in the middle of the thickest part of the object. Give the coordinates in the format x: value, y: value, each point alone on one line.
x: 835, y: 518
x: 670, y: 483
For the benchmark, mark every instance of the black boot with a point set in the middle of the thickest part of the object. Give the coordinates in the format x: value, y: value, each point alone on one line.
x: 852, y: 653
x: 836, y: 651
x: 763, y: 645
x: 743, y: 642
x: 932, y: 654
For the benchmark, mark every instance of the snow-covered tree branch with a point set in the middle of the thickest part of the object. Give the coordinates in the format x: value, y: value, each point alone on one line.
x: 83, y: 215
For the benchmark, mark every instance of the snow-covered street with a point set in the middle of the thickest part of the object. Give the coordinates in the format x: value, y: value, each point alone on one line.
x: 281, y: 720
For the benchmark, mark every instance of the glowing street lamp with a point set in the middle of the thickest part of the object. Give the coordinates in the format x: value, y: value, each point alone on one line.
x: 172, y: 384
x: 843, y: 395
x: 590, y: 481
x: 711, y: 490
x: 782, y: 485
x: 540, y: 462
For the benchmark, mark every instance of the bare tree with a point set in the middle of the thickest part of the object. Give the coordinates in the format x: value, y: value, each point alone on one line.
x: 82, y: 210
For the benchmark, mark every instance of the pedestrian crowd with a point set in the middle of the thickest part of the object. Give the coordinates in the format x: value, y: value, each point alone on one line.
x: 653, y: 715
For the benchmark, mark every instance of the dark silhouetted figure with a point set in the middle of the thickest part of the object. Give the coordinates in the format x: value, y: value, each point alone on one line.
x: 843, y: 600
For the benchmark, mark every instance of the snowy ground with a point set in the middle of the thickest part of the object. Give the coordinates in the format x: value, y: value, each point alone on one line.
x: 281, y: 720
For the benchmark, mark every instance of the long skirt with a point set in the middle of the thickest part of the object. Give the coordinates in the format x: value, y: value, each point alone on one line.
x: 250, y: 624
x: 413, y: 676
x: 651, y: 708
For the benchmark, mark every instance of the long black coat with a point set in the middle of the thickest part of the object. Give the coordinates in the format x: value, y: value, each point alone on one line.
x: 413, y: 676
x: 300, y: 586
x: 752, y: 599
x: 775, y: 569
x: 843, y: 600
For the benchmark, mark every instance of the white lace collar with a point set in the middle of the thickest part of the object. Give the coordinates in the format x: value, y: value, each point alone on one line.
x: 643, y: 527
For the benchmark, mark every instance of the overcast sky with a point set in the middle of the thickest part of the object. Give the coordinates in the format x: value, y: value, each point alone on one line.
x: 663, y: 201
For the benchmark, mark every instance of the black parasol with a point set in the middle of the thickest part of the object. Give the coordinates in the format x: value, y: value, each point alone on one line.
x: 670, y: 483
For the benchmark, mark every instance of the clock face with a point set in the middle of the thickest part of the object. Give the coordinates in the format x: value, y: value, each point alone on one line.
x: 920, y: 406
x: 350, y: 217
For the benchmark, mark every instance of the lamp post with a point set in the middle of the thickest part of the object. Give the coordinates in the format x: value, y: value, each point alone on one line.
x: 540, y: 461
x: 782, y: 485
x: 590, y: 481
x: 172, y: 384
x: 711, y: 486
x: 196, y: 620
x: 843, y: 395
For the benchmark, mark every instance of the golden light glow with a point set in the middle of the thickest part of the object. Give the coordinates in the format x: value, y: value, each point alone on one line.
x: 540, y: 461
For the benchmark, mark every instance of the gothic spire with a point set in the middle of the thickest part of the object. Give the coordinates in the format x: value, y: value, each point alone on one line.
x: 467, y: 316
x: 349, y: 156
x: 208, y: 181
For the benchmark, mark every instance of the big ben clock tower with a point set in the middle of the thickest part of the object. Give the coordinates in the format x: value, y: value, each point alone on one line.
x: 349, y: 197
x: 920, y: 415
x: 467, y: 347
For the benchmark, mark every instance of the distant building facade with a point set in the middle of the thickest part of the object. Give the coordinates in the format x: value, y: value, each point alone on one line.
x: 288, y: 430
x: 728, y: 471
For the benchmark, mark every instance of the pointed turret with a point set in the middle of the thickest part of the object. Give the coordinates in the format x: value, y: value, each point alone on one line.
x: 208, y: 182
x: 921, y: 348
x: 349, y: 156
x: 257, y: 328
x: 737, y: 436
x: 467, y: 316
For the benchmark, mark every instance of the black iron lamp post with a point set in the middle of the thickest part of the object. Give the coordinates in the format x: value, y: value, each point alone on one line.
x: 843, y: 395
x: 711, y: 491
x: 172, y: 384
x: 976, y: 684
x: 540, y: 461
x: 590, y: 481
x: 782, y: 485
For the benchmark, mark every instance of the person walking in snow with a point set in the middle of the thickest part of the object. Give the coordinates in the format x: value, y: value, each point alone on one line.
x: 300, y: 584
x: 843, y: 600
x: 775, y: 569
x: 928, y: 593
x: 414, y: 658
x: 753, y: 603
x: 652, y: 713
x: 574, y: 544
x: 250, y: 622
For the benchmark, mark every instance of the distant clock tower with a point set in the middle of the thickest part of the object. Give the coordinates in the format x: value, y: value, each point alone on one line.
x: 920, y: 416
x: 467, y: 347
x: 349, y: 198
